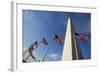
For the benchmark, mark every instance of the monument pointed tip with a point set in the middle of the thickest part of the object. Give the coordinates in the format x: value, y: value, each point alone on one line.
x: 69, y: 18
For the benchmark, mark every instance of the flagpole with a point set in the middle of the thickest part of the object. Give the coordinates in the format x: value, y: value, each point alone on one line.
x: 27, y: 50
x: 47, y: 51
x: 27, y: 57
x: 75, y: 47
x: 74, y: 41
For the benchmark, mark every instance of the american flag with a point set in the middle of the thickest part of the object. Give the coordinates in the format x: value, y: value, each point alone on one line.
x: 81, y: 36
x: 58, y: 39
x: 44, y: 41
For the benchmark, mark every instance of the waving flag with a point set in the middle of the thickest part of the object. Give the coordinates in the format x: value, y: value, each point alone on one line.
x: 58, y: 39
x: 81, y: 36
x: 44, y: 41
x: 33, y: 46
x: 28, y: 53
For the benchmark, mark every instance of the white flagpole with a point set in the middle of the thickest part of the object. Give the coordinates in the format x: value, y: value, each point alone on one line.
x: 47, y: 51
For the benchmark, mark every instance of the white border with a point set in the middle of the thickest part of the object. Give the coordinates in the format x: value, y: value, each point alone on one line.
x: 76, y: 3
x: 17, y: 64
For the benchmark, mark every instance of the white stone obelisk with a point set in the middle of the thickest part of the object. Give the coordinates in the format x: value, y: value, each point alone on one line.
x: 67, y: 51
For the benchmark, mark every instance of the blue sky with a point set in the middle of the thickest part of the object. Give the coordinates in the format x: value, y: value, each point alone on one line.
x: 45, y: 24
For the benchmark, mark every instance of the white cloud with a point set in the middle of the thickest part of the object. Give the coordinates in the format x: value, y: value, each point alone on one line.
x: 34, y: 53
x: 54, y: 56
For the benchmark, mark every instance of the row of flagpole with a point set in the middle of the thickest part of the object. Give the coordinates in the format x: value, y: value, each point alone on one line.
x: 27, y: 52
x: 57, y: 38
